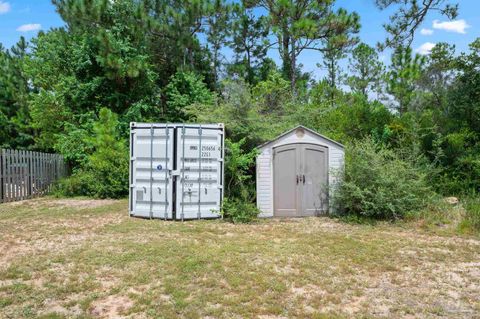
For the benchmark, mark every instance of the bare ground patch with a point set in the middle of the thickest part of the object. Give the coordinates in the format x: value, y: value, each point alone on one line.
x: 111, y: 307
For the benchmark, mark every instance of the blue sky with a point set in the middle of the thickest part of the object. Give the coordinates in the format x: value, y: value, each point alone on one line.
x: 26, y: 17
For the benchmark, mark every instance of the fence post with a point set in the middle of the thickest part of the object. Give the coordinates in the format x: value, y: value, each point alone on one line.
x: 32, y: 168
x: 11, y: 164
x: 16, y: 170
x: 2, y: 173
x: 16, y: 174
x: 37, y: 183
x: 9, y: 176
x: 29, y: 168
x: 21, y: 173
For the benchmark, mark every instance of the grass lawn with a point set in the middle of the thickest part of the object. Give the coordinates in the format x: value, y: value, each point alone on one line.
x: 86, y: 258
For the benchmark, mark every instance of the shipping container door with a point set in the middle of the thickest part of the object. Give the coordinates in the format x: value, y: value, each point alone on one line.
x: 151, y: 168
x: 199, y: 154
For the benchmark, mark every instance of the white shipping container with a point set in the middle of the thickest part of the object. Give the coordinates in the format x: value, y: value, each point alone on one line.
x: 176, y: 170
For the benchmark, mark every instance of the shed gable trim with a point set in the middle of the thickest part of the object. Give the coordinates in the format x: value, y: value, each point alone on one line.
x: 302, y: 127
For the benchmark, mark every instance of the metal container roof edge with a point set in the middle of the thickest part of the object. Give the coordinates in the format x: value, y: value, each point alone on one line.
x: 163, y: 125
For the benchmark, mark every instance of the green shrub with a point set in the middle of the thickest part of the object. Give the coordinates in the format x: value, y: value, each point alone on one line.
x: 78, y: 184
x: 378, y: 184
x: 238, y: 210
x: 239, y: 170
x: 104, y: 173
x: 184, y: 89
x: 238, y: 205
x: 471, y: 221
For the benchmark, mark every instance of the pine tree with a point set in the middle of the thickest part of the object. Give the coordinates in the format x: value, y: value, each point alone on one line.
x: 366, y: 70
x: 405, y: 71
x: 249, y: 42
x: 306, y: 25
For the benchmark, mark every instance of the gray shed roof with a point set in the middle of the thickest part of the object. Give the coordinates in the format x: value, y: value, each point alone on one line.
x: 305, y: 128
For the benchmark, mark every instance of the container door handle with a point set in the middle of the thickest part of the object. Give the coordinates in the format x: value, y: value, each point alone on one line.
x: 304, y: 179
x: 297, y: 179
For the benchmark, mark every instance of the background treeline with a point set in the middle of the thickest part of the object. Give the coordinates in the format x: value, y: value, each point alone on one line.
x: 412, y: 128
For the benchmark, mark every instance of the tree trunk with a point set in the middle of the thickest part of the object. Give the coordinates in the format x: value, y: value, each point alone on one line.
x: 249, y: 67
x: 285, y: 48
x: 293, y: 68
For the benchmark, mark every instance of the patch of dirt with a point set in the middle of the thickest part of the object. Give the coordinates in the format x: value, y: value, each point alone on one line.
x: 307, y: 292
x: 51, y: 306
x: 39, y: 235
x: 66, y: 203
x: 82, y: 203
x: 113, y: 306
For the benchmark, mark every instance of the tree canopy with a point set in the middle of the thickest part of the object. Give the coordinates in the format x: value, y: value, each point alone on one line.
x: 209, y: 61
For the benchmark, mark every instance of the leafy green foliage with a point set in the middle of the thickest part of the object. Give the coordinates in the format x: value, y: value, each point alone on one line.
x: 104, y: 173
x: 238, y: 167
x: 239, y: 211
x: 184, y: 89
x: 306, y: 24
x: 404, y: 73
x: 238, y: 204
x: 14, y: 89
x: 377, y: 183
x: 471, y: 222
x: 75, y: 143
x: 409, y: 16
x: 366, y: 70
x: 250, y: 43
x: 109, y: 160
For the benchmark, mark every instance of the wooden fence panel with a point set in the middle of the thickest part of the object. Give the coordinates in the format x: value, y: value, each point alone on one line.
x: 27, y: 174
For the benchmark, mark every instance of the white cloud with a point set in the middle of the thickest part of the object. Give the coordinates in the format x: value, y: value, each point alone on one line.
x: 426, y: 31
x: 457, y: 26
x: 4, y: 7
x: 29, y: 27
x: 425, y: 48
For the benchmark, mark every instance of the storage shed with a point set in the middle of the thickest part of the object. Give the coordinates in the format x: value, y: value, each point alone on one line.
x: 295, y: 172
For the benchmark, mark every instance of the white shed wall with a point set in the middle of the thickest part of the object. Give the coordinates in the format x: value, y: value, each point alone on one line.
x: 265, y: 165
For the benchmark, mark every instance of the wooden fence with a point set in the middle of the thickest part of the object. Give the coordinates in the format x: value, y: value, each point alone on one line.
x: 26, y: 174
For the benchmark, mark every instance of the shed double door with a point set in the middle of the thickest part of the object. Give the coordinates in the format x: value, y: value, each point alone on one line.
x: 300, y: 180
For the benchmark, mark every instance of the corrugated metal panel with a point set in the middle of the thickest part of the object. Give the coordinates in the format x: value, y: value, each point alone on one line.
x: 176, y: 172
x: 200, y: 164
x: 151, y: 166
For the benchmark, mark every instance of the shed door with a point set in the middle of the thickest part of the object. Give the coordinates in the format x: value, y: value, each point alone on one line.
x: 286, y: 188
x: 151, y: 156
x: 314, y: 180
x: 300, y: 180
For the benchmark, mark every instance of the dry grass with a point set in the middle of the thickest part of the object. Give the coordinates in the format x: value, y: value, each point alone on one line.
x: 71, y: 258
